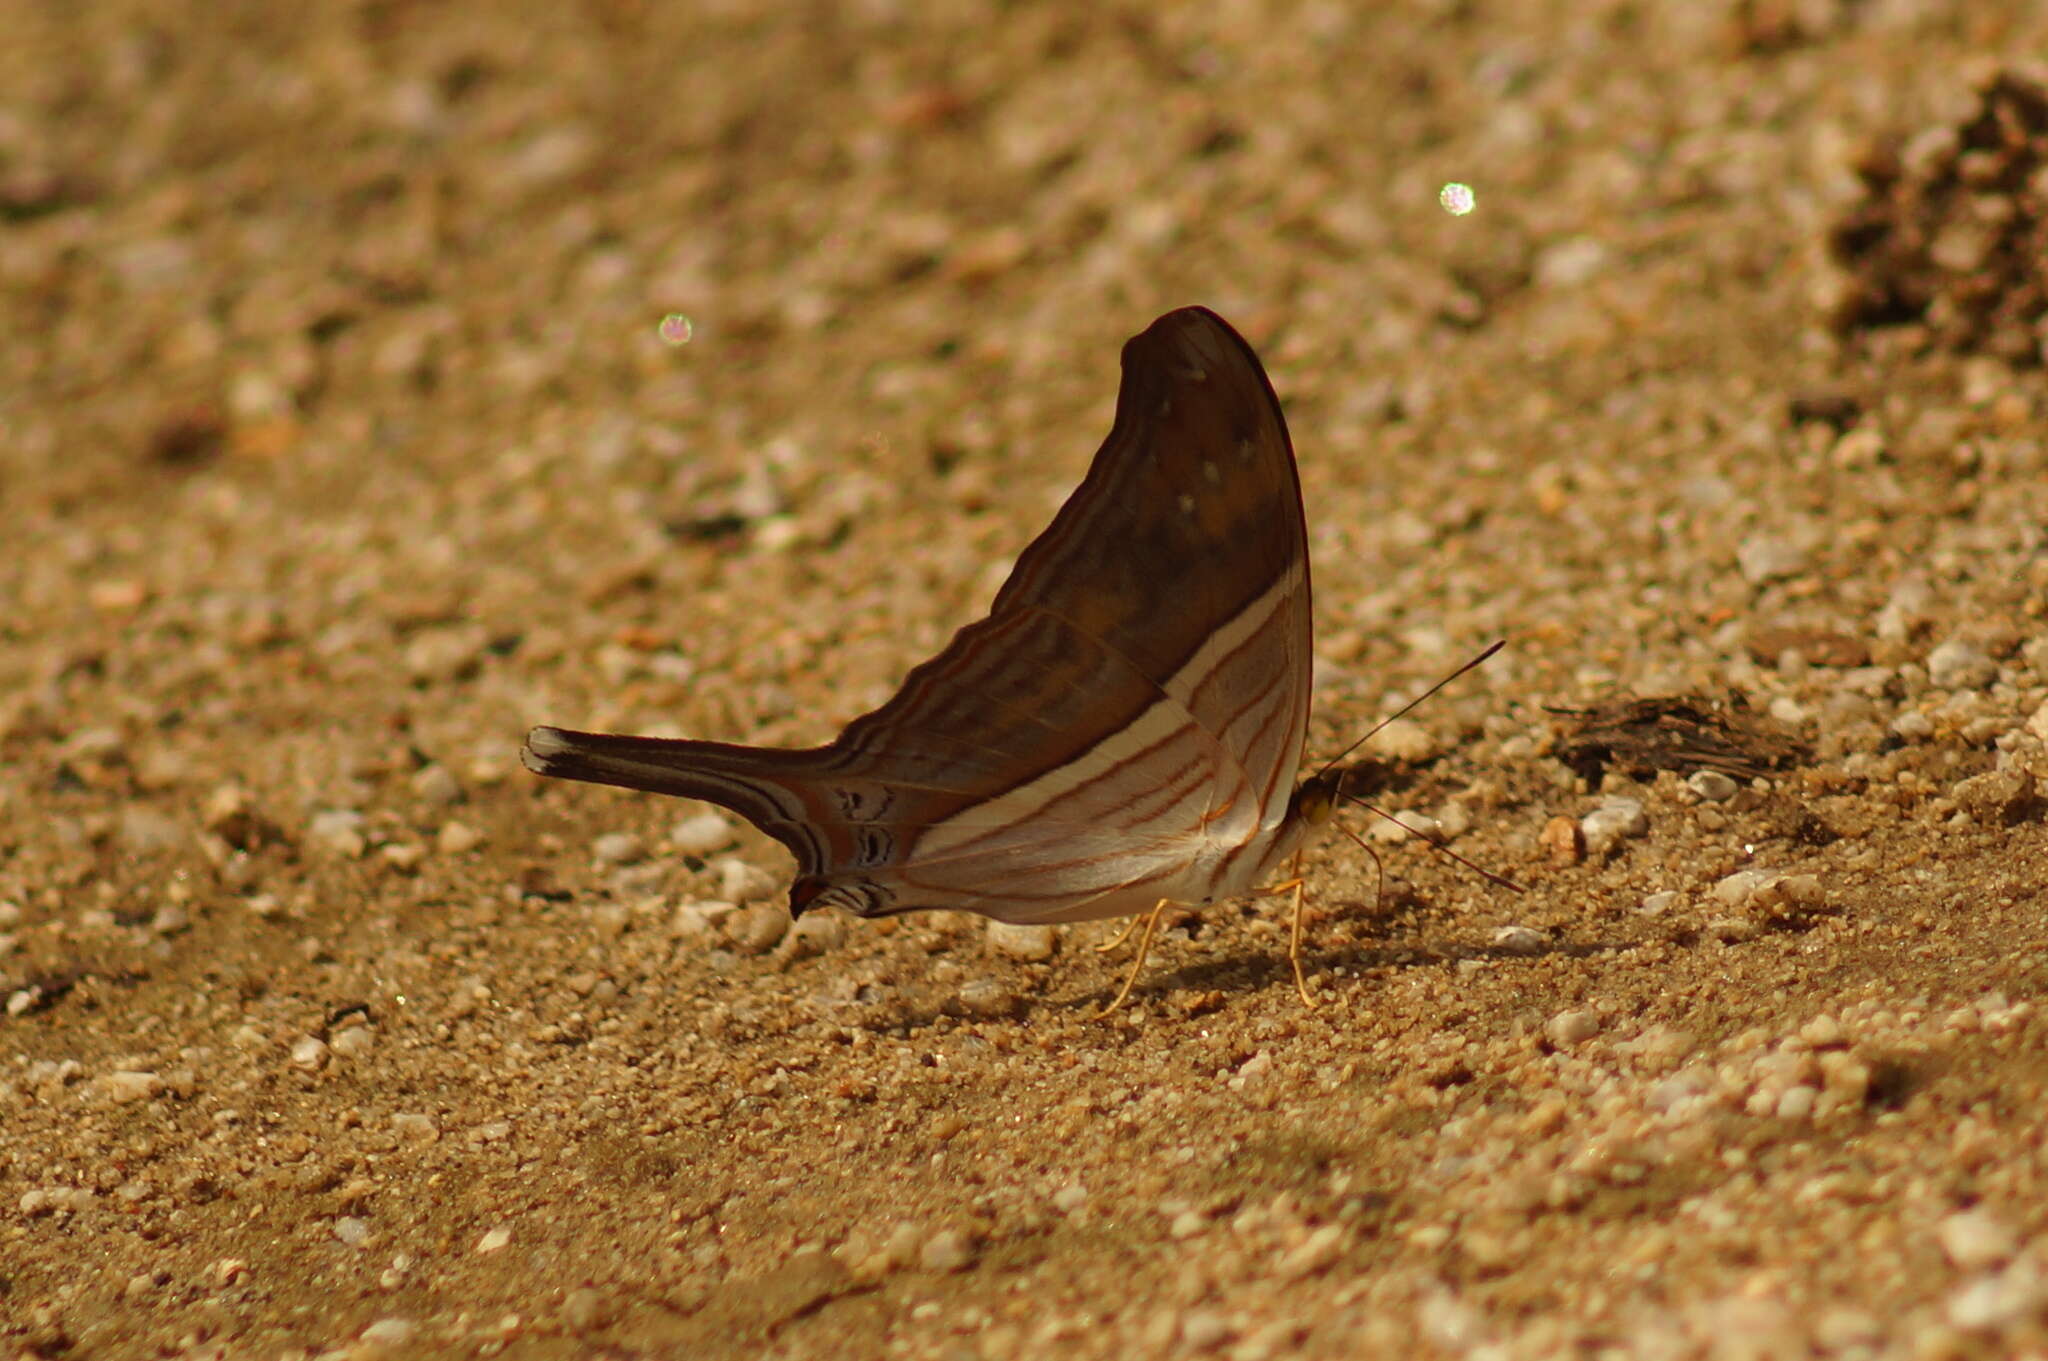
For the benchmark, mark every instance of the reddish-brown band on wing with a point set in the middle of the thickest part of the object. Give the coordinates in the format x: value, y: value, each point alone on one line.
x: 1124, y: 725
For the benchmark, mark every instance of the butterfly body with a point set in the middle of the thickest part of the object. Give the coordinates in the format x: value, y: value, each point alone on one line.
x: 1124, y: 726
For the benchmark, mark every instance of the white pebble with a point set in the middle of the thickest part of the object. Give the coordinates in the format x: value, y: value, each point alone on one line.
x: 388, y: 1332
x: 1796, y: 1103
x: 815, y: 933
x: 1572, y: 1027
x: 1405, y: 740
x: 1712, y: 785
x: 1975, y: 1239
x: 1957, y: 665
x: 337, y: 832
x: 1520, y: 940
x: 352, y: 1231
x: 435, y: 784
x: 1615, y: 819
x: 1738, y: 888
x: 415, y: 1128
x: 1766, y: 557
x: 126, y: 1087
x: 740, y: 882
x: 309, y: 1053
x: 493, y: 1240
x: 758, y: 929
x: 1204, y: 1330
x: 353, y: 1042
x: 1026, y: 942
x: 988, y: 999
x: 701, y: 835
x: 947, y: 1250
x: 1070, y: 1198
x: 1322, y: 1248
x: 618, y: 848
x: 1658, y: 903
x: 457, y: 838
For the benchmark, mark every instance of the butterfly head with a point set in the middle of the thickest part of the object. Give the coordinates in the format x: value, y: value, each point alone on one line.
x: 1316, y: 798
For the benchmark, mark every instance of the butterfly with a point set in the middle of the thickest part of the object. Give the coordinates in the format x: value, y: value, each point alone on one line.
x: 1120, y: 733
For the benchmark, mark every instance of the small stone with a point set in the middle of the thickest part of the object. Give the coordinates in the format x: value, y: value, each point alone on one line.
x: 1913, y: 725
x: 457, y: 838
x: 352, y: 1231
x: 309, y: 1054
x: 1997, y: 798
x: 403, y: 856
x: 1405, y: 740
x: 1957, y: 665
x: 1031, y: 943
x: 435, y: 784
x: 415, y: 1128
x: 1657, y: 904
x: 758, y: 929
x: 947, y: 1250
x: 1796, y: 1103
x: 584, y: 1309
x: 815, y: 933
x: 989, y: 1000
x: 126, y: 1087
x: 742, y: 883
x: 494, y: 1240
x: 1204, y: 1330
x: 618, y: 848
x: 1975, y: 1239
x: 1520, y: 940
x: 1317, y: 1252
x: 2037, y: 723
x: 1769, y: 557
x: 1188, y: 1224
x: 388, y: 1332
x: 1562, y: 841
x: 1614, y: 820
x: 146, y: 831
x: 1070, y: 1198
x: 1712, y: 786
x: 700, y: 835
x: 337, y: 832
x: 1738, y: 888
x: 353, y: 1042
x: 1568, y: 1028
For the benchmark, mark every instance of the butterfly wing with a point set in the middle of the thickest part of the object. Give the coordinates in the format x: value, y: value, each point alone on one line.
x: 1125, y: 721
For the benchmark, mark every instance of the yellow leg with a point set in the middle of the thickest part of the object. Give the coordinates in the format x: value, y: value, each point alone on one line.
x: 1298, y: 886
x: 1120, y: 936
x: 1144, y: 948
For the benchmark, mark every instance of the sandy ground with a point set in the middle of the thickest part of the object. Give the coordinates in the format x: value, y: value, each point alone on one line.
x: 340, y: 442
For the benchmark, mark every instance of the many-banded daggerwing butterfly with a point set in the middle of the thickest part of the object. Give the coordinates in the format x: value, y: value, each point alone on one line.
x: 1122, y: 731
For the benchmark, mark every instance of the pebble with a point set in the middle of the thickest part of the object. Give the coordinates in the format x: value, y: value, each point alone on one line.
x: 618, y: 848
x: 1738, y: 888
x: 758, y: 929
x: 388, y: 1332
x: 1204, y: 1330
x: 816, y: 933
x: 988, y: 999
x: 435, y: 784
x: 1616, y: 819
x: 1318, y: 1251
x: 1768, y: 557
x: 337, y: 832
x: 740, y: 882
x: 1572, y: 1027
x: 126, y: 1087
x: 1070, y: 1198
x: 309, y: 1054
x: 415, y: 1128
x: 145, y: 830
x: 1712, y: 786
x: 1997, y: 798
x: 352, y: 1231
x: 494, y: 1240
x: 1405, y: 740
x: 1656, y: 904
x: 353, y: 1042
x: 1520, y: 940
x: 1562, y: 841
x: 947, y: 1250
x: 1957, y: 665
x: 1031, y: 943
x: 1975, y: 1239
x: 701, y: 835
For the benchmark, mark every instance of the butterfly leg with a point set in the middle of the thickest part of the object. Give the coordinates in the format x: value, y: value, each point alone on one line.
x: 1119, y: 938
x: 1298, y: 886
x: 1144, y: 948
